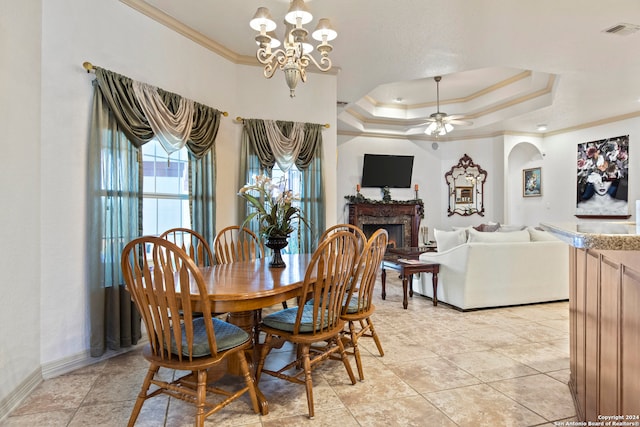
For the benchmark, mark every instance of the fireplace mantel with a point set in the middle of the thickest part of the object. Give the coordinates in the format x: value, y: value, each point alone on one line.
x: 406, y: 214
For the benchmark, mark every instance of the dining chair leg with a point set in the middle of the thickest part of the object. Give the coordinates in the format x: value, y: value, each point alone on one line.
x: 201, y: 395
x: 248, y: 379
x: 356, y: 350
x: 306, y: 363
x: 345, y: 360
x: 142, y: 396
x: 376, y: 339
x: 266, y: 347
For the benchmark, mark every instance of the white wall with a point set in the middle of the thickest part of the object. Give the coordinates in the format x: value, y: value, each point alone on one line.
x: 524, y: 153
x: 428, y: 172
x: 556, y: 155
x: 47, y: 229
x: 20, y: 177
x: 503, y: 158
x: 351, y: 156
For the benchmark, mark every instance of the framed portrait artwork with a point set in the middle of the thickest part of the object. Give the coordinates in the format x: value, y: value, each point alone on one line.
x: 603, y: 178
x: 532, y: 182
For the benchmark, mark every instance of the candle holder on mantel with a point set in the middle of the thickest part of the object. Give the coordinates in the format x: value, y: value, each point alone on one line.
x: 424, y: 234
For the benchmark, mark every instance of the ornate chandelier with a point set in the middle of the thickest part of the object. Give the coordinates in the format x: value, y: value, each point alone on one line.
x: 295, y: 55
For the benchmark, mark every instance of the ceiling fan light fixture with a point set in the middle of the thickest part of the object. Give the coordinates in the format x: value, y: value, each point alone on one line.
x: 438, y: 128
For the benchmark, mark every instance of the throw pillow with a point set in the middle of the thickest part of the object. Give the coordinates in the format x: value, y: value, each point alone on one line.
x: 465, y: 229
x: 513, y: 236
x: 489, y: 227
x: 449, y: 239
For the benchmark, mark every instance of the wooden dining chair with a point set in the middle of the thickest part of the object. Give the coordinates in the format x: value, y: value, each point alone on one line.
x: 160, y: 277
x: 325, y: 281
x: 192, y: 243
x: 235, y: 243
x: 362, y: 238
x: 358, y: 306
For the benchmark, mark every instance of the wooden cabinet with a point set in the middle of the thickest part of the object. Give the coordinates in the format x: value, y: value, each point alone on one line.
x: 604, y: 301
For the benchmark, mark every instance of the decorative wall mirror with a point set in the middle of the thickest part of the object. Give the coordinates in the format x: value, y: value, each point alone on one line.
x: 466, y: 188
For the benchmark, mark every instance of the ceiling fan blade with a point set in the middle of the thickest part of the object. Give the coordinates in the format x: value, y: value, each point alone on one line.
x: 455, y: 116
x: 460, y: 122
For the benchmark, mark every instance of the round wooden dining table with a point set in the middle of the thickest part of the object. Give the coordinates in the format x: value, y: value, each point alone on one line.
x: 244, y: 288
x: 251, y: 285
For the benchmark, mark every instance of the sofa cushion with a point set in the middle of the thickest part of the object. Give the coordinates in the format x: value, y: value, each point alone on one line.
x: 446, y: 240
x: 513, y: 236
x: 508, y: 228
x: 540, y: 235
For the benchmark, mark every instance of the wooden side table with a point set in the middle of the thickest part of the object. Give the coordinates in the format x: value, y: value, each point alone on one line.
x: 406, y: 261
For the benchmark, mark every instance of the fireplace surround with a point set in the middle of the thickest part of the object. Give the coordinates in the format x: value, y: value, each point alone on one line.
x: 401, y: 220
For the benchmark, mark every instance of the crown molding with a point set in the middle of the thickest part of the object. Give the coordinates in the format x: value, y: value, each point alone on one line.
x: 398, y: 122
x: 423, y: 137
x: 188, y: 32
x: 582, y: 126
x: 547, y: 89
x: 501, y: 84
x: 197, y: 37
x: 595, y: 123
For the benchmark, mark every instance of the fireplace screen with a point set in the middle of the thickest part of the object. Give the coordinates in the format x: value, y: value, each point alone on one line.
x: 395, y: 231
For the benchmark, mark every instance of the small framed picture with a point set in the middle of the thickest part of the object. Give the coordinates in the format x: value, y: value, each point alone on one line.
x: 532, y: 182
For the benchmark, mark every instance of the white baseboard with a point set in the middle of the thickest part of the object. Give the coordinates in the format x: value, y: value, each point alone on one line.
x: 52, y: 370
x: 80, y: 360
x: 20, y: 393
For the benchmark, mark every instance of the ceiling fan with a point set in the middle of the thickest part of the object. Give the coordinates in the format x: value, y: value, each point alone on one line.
x: 442, y: 123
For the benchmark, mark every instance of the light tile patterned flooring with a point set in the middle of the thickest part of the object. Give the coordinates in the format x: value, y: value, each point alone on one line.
x: 442, y: 367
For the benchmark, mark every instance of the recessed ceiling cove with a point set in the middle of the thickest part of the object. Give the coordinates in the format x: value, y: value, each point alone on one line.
x: 484, y: 97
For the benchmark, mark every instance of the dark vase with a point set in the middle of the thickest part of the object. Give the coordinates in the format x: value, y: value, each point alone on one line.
x: 277, y: 243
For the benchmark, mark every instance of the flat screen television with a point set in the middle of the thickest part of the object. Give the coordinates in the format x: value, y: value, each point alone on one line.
x: 384, y: 170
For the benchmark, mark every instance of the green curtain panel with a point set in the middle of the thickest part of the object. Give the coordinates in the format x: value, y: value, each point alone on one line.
x: 118, y: 129
x: 114, y: 195
x: 202, y: 181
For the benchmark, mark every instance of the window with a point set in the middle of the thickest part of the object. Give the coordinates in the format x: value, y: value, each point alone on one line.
x: 293, y: 178
x: 165, y: 189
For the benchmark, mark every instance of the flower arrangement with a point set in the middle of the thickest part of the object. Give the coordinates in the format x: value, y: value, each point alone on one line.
x: 273, y: 206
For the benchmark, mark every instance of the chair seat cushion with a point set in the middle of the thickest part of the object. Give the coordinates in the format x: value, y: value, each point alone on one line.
x: 353, y: 304
x: 286, y: 319
x: 227, y: 336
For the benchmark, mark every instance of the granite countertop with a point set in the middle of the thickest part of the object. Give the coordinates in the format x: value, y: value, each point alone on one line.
x: 624, y: 236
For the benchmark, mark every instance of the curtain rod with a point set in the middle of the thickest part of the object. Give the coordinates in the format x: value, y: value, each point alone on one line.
x: 240, y: 120
x: 89, y: 67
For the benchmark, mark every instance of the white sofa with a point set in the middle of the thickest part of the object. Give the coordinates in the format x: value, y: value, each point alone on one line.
x: 495, y: 273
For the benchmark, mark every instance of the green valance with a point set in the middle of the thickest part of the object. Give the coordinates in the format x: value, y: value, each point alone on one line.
x: 256, y: 130
x: 117, y: 91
